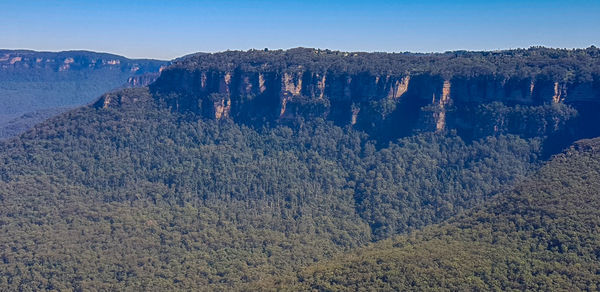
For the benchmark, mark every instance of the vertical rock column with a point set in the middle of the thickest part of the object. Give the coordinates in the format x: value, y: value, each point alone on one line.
x: 440, y: 115
x: 290, y: 87
x: 222, y: 106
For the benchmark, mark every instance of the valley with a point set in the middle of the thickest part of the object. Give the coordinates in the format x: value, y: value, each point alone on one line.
x: 309, y: 169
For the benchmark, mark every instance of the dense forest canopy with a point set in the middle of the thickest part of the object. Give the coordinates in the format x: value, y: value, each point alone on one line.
x: 543, y: 235
x: 140, y: 196
x: 574, y: 65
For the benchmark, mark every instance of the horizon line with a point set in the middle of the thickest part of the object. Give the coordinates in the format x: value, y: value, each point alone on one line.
x: 292, y: 48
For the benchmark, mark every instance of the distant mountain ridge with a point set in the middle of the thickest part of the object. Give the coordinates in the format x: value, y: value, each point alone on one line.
x: 43, y: 81
x: 75, y: 58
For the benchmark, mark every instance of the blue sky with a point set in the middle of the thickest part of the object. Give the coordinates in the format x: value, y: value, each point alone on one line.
x: 169, y: 29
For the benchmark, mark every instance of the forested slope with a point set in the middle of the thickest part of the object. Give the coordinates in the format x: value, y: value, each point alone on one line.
x: 543, y: 235
x: 142, y: 197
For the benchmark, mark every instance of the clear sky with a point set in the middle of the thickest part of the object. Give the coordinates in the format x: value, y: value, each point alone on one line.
x: 172, y: 28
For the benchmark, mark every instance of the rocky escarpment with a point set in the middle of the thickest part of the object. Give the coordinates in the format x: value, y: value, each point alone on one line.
x: 390, y: 100
x: 363, y: 101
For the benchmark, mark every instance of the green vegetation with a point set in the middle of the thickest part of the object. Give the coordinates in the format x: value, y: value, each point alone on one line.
x: 572, y: 66
x: 147, y: 189
x: 142, y: 197
x: 543, y: 235
x: 496, y: 118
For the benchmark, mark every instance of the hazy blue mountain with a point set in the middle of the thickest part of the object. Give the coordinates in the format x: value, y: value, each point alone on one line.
x: 45, y: 82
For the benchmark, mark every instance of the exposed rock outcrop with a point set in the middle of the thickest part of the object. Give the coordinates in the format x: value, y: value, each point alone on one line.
x: 350, y: 98
x: 440, y: 115
x: 123, y: 98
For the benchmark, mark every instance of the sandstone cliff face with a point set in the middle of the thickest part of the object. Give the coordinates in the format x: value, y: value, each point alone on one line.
x: 192, y: 88
x: 390, y: 95
x: 364, y: 87
x: 352, y: 98
x: 440, y: 115
x: 522, y: 91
